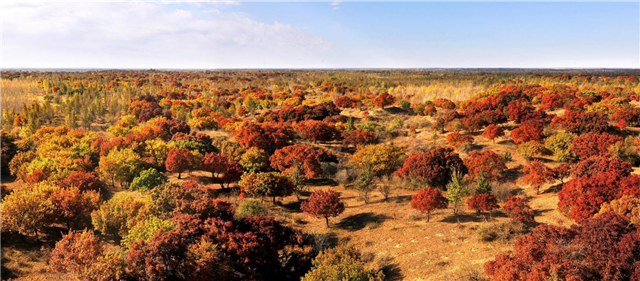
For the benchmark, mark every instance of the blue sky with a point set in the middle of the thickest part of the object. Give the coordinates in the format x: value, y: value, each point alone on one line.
x: 322, y: 35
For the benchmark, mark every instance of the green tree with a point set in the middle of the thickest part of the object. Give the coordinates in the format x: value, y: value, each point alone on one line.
x: 456, y: 191
x: 148, y: 179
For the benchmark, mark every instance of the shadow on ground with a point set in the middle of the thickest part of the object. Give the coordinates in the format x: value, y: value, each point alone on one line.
x: 360, y: 221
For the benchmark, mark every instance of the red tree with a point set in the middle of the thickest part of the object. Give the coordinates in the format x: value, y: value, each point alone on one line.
x: 593, y: 144
x: 383, y: 100
x: 456, y: 140
x: 581, y: 122
x: 492, y: 132
x: 358, y: 137
x: 265, y: 137
x: 518, y: 209
x: 483, y: 202
x: 323, y: 204
x: 178, y: 160
x: 433, y: 167
x: 82, y: 180
x: 528, y: 131
x: 76, y: 253
x: 581, y: 198
x: 427, y: 200
x: 309, y: 159
x: 344, y: 102
x: 316, y: 130
x: 490, y: 163
x: 602, y: 248
x: 537, y: 174
x: 599, y: 164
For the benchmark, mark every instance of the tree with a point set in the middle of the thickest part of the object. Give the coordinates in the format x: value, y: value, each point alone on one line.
x: 121, y: 165
x: 482, y: 184
x: 433, y: 167
x: 593, y: 144
x: 254, y: 160
x: 483, y: 202
x: 27, y: 211
x: 530, y: 149
x: 625, y: 206
x: 427, y: 200
x: 537, y: 174
x: 581, y: 122
x: 581, y: 198
x: 602, y: 248
x: 457, y: 140
x: 383, y: 159
x: 456, y: 191
x: 309, y: 159
x: 364, y: 183
x: 74, y: 207
x: 358, y: 138
x: 270, y: 184
x: 528, y: 131
x: 179, y: 160
x: 84, y: 181
x: 214, y: 163
x: 560, y: 145
x: 595, y: 165
x: 266, y: 137
x: 341, y: 263
x: 383, y: 100
x: 323, y: 204
x: 119, y: 214
x: 492, y: 132
x: 76, y: 253
x: 148, y: 179
x: 316, y: 130
x: 518, y: 209
x: 490, y: 163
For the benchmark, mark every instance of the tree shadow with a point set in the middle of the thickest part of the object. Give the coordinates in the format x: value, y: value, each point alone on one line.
x: 321, y: 182
x: 514, y: 173
x: 542, y: 211
x: 553, y: 189
x: 293, y: 206
x: 360, y: 221
x: 506, y: 142
x: 401, y: 198
x: 391, y: 269
x: 462, y: 218
x: 397, y: 110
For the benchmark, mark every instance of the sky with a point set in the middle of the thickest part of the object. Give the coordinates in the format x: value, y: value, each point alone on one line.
x: 320, y: 34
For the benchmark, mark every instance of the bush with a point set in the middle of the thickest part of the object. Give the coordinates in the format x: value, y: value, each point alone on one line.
x: 341, y: 263
x: 148, y: 179
x: 251, y: 207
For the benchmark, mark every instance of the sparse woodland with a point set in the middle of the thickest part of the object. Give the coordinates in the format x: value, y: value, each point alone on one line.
x: 321, y: 175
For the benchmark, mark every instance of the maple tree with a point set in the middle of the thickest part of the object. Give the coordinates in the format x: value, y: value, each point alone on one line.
x: 307, y: 157
x: 82, y: 180
x: 323, y: 204
x: 578, y: 122
x: 358, y: 138
x: 457, y: 140
x: 492, y: 132
x: 537, y: 174
x: 428, y: 200
x: 383, y: 159
x: 76, y: 253
x: 490, y: 163
x: 73, y: 206
x: 27, y: 211
x: 265, y: 137
x: 594, y: 165
x: 601, y: 248
x: 384, y: 99
x: 593, y: 144
x: 518, y: 209
x: 433, y: 167
x: 179, y: 160
x: 483, y: 202
x: 270, y: 184
x: 528, y: 131
x: 316, y: 130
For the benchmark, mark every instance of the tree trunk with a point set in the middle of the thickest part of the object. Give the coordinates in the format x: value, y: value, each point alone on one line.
x: 179, y: 175
x: 326, y: 219
x: 428, y: 215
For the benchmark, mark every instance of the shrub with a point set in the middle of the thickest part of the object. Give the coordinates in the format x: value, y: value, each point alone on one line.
x: 148, y: 179
x: 518, y: 209
x: 251, y: 207
x: 341, y: 263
